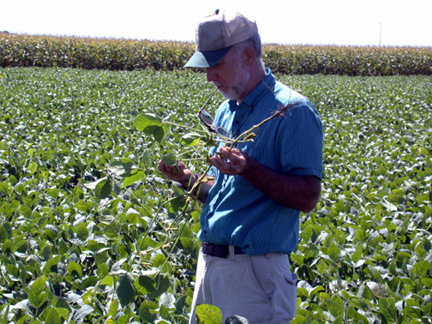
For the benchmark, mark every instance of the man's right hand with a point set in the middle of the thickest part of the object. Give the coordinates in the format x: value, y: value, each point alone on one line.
x: 179, y: 173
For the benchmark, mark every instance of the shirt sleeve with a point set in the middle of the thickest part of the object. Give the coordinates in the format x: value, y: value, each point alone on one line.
x: 301, y: 145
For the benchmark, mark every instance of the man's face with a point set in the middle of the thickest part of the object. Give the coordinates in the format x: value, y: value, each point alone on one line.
x: 230, y: 76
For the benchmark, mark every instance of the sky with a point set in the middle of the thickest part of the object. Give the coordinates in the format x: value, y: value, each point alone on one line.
x: 301, y: 22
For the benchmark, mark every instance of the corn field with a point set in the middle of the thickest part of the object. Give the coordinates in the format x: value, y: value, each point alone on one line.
x: 122, y: 54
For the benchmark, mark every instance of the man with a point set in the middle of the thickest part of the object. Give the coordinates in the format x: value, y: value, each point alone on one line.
x: 252, y: 201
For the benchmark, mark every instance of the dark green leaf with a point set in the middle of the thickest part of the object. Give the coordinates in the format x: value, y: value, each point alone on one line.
x: 178, y: 202
x: 388, y: 309
x: 147, y: 312
x: 103, y: 189
x: 3, y: 234
x: 170, y: 159
x: 125, y: 290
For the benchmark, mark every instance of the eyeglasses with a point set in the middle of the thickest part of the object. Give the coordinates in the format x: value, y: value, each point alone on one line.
x: 207, y: 119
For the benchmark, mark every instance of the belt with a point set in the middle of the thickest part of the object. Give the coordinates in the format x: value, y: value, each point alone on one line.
x: 220, y: 251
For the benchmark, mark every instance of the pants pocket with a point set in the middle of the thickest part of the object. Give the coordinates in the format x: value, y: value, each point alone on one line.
x: 263, y: 274
x: 291, y: 278
x: 285, y: 300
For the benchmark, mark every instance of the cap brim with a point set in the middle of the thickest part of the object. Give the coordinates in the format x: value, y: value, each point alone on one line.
x: 207, y: 59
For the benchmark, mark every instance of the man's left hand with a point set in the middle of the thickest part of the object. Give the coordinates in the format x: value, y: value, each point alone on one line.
x: 230, y: 162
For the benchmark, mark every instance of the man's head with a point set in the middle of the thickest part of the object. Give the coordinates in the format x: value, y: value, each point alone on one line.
x: 216, y: 35
x: 229, y: 47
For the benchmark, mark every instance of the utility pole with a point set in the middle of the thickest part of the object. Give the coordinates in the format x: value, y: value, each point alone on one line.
x: 380, y: 34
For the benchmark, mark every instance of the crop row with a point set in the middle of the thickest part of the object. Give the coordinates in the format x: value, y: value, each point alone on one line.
x: 122, y: 54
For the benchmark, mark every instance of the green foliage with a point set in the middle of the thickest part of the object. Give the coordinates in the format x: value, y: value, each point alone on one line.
x: 91, y: 233
x: 124, y: 54
x: 87, y: 225
x: 366, y: 251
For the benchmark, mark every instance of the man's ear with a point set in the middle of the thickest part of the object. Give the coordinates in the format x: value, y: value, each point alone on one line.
x: 249, y: 55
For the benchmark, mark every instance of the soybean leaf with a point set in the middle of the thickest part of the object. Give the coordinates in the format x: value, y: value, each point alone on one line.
x: 151, y: 124
x: 3, y: 234
x: 121, y: 167
x: 53, y: 317
x: 135, y: 177
x: 161, y: 284
x: 147, y: 311
x: 125, y: 290
x: 74, y: 269
x: 38, y: 293
x: 190, y: 139
x: 81, y: 231
x: 178, y: 202
x: 103, y: 188
x: 92, y: 185
x: 388, y: 309
x: 208, y: 314
x: 170, y: 159
x: 143, y: 121
x: 113, y: 308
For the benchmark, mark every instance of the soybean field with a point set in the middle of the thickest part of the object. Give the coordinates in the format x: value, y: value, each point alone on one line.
x: 90, y: 231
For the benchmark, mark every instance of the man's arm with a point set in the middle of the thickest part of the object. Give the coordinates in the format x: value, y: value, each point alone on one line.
x: 187, y: 179
x: 299, y: 192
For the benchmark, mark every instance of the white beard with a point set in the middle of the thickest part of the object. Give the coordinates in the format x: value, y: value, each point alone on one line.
x: 238, y: 85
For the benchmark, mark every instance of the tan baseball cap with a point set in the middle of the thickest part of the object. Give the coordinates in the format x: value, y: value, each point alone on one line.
x: 216, y: 34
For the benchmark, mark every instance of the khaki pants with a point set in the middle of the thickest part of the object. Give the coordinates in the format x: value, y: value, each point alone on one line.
x: 260, y: 288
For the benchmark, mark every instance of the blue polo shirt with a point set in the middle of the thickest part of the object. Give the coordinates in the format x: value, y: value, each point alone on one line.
x: 235, y: 212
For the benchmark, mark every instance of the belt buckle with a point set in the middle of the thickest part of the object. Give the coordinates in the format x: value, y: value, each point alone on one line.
x: 207, y: 248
